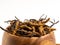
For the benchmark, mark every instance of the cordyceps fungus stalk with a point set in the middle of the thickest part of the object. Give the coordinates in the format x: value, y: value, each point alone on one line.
x: 29, y: 28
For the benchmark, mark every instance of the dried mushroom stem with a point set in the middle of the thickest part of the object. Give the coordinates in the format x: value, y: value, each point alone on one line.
x: 53, y: 23
x: 16, y: 28
x: 25, y: 26
x: 52, y: 29
x: 8, y: 21
x: 16, y: 18
x: 4, y: 29
x: 33, y: 28
x: 33, y: 24
x: 41, y: 29
x: 46, y: 20
x: 41, y: 17
x: 23, y: 30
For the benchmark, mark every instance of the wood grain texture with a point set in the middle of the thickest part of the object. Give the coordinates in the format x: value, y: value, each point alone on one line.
x: 57, y: 44
x: 9, y: 39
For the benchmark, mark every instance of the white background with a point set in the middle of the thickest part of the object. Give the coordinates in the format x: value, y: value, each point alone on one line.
x: 26, y: 9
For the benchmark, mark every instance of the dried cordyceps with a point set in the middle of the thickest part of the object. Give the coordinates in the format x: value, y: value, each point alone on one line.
x: 29, y: 28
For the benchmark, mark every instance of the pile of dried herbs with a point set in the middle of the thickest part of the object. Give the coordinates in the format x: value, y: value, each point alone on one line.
x: 29, y: 28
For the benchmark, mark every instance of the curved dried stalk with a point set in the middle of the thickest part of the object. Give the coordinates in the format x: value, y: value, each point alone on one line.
x: 53, y: 23
x: 4, y: 29
x: 46, y: 20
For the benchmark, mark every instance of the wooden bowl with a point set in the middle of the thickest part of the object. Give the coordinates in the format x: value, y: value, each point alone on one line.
x: 9, y: 39
x: 57, y: 44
